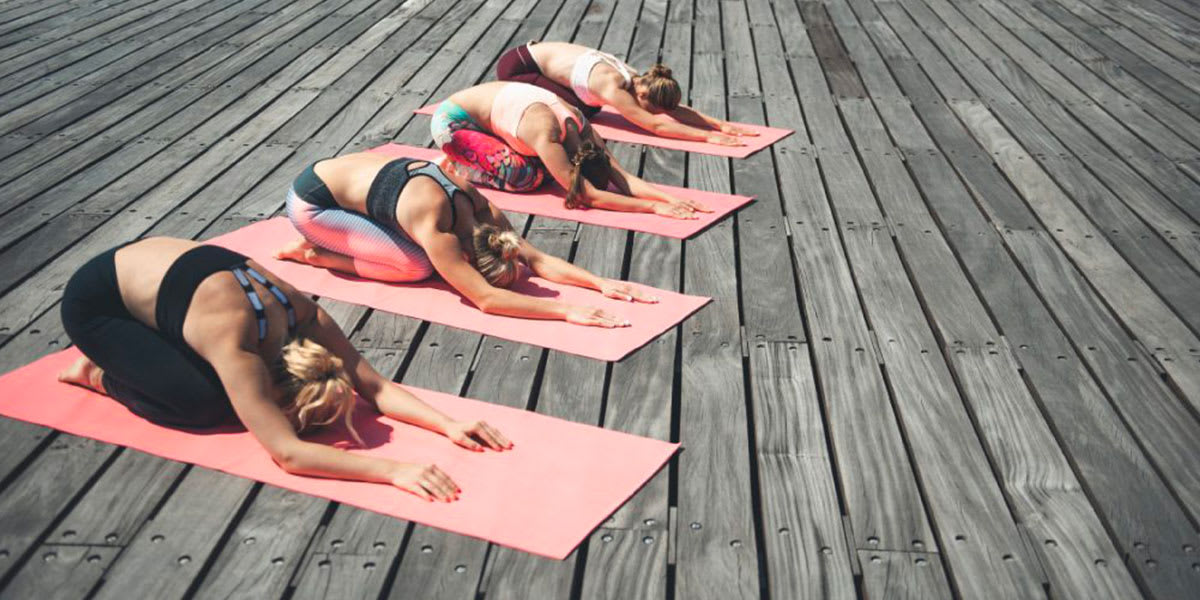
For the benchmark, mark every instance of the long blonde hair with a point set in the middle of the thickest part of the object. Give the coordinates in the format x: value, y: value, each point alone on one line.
x: 496, y: 254
x: 316, y: 388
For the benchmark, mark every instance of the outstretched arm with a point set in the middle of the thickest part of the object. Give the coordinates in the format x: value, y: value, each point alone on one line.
x: 555, y: 159
x: 694, y: 126
x: 636, y: 186
x: 396, y: 402
x: 446, y: 254
x: 691, y: 116
x: 560, y: 271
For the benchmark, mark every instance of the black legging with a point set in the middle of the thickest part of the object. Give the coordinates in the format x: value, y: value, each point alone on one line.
x: 158, y: 379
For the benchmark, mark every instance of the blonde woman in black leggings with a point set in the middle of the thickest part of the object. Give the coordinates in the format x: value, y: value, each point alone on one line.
x: 190, y: 335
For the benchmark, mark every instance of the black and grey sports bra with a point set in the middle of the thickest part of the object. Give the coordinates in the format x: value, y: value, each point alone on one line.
x: 193, y: 267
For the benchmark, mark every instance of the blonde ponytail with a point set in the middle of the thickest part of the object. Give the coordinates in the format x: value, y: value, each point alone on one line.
x: 496, y: 253
x: 316, y: 388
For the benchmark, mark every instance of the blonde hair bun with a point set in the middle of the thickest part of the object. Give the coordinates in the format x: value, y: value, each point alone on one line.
x: 496, y: 254
x: 316, y: 388
x: 505, y: 243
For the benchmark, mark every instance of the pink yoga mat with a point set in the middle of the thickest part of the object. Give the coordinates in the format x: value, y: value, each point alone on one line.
x: 434, y: 300
x: 560, y: 480
x: 612, y: 126
x: 547, y: 201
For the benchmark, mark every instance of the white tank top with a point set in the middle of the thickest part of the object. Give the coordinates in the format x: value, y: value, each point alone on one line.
x: 582, y: 71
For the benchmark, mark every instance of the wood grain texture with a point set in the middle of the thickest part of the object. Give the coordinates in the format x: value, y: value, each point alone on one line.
x: 896, y: 575
x: 807, y: 555
x: 1005, y: 185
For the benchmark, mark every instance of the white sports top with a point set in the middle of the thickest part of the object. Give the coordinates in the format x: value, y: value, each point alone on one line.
x: 582, y: 71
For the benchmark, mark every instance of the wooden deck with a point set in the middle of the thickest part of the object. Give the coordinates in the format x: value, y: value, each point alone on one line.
x: 953, y: 350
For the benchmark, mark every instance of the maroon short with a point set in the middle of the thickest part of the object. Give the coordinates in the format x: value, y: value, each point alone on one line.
x: 518, y: 65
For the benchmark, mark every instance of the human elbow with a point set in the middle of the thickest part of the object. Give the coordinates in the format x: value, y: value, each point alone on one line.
x: 659, y: 127
x: 488, y: 303
x: 290, y: 459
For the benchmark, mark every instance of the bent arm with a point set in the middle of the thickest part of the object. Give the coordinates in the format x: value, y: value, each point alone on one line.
x: 388, y: 398
x: 247, y: 382
x: 447, y: 257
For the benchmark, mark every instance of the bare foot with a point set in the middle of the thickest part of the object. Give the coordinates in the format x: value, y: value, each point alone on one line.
x: 83, y: 373
x: 300, y: 250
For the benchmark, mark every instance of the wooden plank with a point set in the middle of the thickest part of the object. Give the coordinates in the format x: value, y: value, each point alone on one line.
x: 103, y: 521
x: 620, y: 564
x: 1131, y: 62
x: 35, y: 24
x: 1089, y: 441
x: 1077, y: 434
x: 895, y: 316
x: 26, y: 355
x: 877, y: 481
x: 1125, y: 125
x: 195, y: 175
x: 62, y: 571
x: 769, y: 301
x: 48, y: 486
x: 1081, y: 62
x: 356, y: 538
x: 443, y: 363
x: 17, y: 165
x: 1155, y: 168
x: 839, y: 70
x: 266, y: 546
x: 1141, y: 310
x: 896, y: 575
x: 80, y: 131
x: 802, y: 527
x: 345, y: 131
x: 39, y: 57
x: 1158, y: 24
x: 1177, y: 69
x: 367, y: 18
x: 806, y: 548
x: 65, y: 105
x: 34, y: 179
x: 17, y: 9
x: 573, y: 388
x: 1057, y: 116
x: 21, y: 440
x: 1038, y: 480
x: 717, y: 558
x: 177, y: 543
x: 952, y: 302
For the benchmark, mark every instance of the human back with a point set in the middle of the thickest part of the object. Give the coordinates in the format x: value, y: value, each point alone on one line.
x: 557, y: 59
x: 217, y: 309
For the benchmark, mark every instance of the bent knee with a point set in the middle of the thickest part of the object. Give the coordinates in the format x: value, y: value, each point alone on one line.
x: 525, y: 179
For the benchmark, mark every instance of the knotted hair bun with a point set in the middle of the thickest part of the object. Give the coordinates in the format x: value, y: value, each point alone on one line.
x: 661, y: 88
x: 316, y: 390
x: 504, y: 243
x: 496, y: 252
x: 659, y: 70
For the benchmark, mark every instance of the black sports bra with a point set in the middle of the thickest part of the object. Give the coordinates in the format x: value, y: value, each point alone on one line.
x: 193, y: 267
